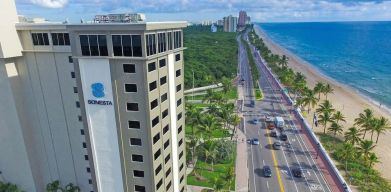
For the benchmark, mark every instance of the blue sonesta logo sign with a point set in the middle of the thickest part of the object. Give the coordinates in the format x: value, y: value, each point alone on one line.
x: 98, y: 91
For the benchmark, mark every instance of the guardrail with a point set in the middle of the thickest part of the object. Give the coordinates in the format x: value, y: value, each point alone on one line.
x: 329, y: 161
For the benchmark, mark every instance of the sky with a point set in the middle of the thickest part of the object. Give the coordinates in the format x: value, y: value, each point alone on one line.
x: 200, y: 10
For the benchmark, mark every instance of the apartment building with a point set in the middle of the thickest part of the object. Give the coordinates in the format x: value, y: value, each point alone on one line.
x: 98, y: 105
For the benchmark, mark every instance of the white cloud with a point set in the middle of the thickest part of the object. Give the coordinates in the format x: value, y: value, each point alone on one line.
x: 50, y: 3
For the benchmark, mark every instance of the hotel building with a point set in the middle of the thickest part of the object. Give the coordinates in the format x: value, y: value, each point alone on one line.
x: 97, y: 105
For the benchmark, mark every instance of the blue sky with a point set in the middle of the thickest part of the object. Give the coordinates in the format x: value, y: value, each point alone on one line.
x: 198, y: 10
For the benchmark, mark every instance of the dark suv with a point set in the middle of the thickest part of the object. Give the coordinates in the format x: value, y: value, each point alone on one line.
x: 283, y: 137
x: 267, y: 172
x: 297, y: 172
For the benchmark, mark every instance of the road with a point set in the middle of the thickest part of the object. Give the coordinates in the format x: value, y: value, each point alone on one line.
x: 294, y: 153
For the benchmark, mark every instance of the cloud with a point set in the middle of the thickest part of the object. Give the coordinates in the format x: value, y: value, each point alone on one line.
x: 50, y: 3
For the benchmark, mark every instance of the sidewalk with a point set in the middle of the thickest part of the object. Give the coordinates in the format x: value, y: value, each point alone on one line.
x: 241, y: 163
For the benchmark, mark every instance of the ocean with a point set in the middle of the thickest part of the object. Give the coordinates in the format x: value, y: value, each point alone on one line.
x: 357, y: 54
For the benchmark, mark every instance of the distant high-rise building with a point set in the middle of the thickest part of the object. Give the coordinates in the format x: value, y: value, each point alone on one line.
x: 248, y: 20
x: 97, y: 105
x: 206, y: 22
x: 242, y: 18
x: 230, y: 23
x: 120, y: 18
x: 220, y: 22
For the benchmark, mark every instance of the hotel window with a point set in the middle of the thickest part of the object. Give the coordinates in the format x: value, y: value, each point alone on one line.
x: 154, y: 104
x: 129, y: 68
x: 157, y: 154
x: 168, y: 186
x: 41, y: 39
x: 166, y: 144
x: 79, y: 118
x: 93, y: 45
x: 181, y: 179
x: 137, y: 158
x: 70, y: 59
x: 151, y: 44
x: 151, y: 66
x: 86, y: 157
x: 60, y: 39
x: 134, y: 124
x: 180, y: 129
x: 84, y: 145
x: 74, y: 89
x: 139, y: 188
x: 162, y: 63
x: 77, y: 104
x: 132, y: 106
x: 163, y: 97
x: 177, y: 39
x: 180, y: 155
x: 169, y: 40
x: 178, y: 88
x: 168, y: 172
x: 159, y: 184
x: 82, y: 131
x: 127, y: 45
x: 179, y: 117
x: 158, y: 169
x: 181, y: 167
x: 179, y: 102
x: 130, y: 88
x: 155, y: 121
x: 152, y: 86
x: 178, y: 73
x: 164, y: 113
x: 180, y: 142
x: 73, y: 75
x: 161, y: 39
x: 177, y: 57
x: 163, y: 80
x: 137, y: 173
x: 156, y: 138
x: 165, y: 129
x: 88, y: 170
x: 167, y: 158
x: 89, y: 181
x: 135, y: 141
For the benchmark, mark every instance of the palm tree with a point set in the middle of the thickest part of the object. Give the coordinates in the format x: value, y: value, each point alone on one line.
x: 225, y: 113
x: 9, y: 187
x: 327, y: 90
x: 71, y: 188
x: 208, y: 96
x: 338, y: 116
x: 218, y: 184
x: 366, y: 148
x: 192, y: 144
x: 326, y: 106
x: 54, y: 186
x: 382, y: 126
x: 310, y: 99
x: 335, y: 128
x: 213, y: 109
x: 230, y: 176
x: 235, y: 121
x: 208, y: 124
x: 318, y: 89
x: 213, y: 156
x: 364, y: 120
x: 226, y: 85
x: 347, y: 153
x: 353, y: 136
x: 193, y: 115
x: 372, y: 160
x: 324, y: 118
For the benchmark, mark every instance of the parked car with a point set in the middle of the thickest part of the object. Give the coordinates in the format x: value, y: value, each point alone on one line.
x: 269, y: 119
x: 273, y: 133
x: 255, y: 141
x: 297, y: 172
x: 283, y: 137
x: 277, y: 145
x: 271, y: 126
x: 267, y: 172
x: 256, y: 121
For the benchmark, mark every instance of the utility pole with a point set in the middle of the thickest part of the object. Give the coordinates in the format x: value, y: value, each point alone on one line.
x: 193, y: 85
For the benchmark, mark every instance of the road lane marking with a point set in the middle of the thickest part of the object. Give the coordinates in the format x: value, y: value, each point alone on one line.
x: 263, y: 162
x: 267, y: 184
x: 275, y: 164
x: 252, y: 159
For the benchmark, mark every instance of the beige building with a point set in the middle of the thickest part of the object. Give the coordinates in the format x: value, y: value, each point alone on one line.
x: 97, y: 105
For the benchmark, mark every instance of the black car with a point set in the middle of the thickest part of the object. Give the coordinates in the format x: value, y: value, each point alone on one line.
x: 297, y: 172
x: 283, y: 137
x: 273, y: 133
x: 267, y: 172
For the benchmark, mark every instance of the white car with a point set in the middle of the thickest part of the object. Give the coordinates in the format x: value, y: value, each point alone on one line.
x: 256, y: 121
x: 255, y: 141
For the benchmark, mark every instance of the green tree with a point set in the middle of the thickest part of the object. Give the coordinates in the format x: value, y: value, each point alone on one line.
x: 335, y: 128
x: 235, y: 121
x: 347, y: 152
x: 382, y: 126
x: 310, y: 99
x: 352, y: 136
x: 208, y: 97
x: 72, y: 188
x: 54, y: 186
x: 230, y: 176
x: 372, y: 160
x: 227, y: 85
x: 225, y: 113
x: 325, y: 106
x: 364, y: 120
x: 318, y: 89
x: 218, y: 184
x: 9, y: 187
x: 338, y: 116
x: 327, y: 90
x: 324, y: 118
x: 365, y: 149
x: 208, y: 124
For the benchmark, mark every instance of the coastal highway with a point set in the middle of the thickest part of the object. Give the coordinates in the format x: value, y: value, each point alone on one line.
x: 295, y: 152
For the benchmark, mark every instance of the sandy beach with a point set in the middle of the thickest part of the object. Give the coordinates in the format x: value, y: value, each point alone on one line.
x: 345, y: 99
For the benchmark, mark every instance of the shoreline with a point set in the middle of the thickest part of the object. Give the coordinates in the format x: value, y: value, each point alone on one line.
x: 345, y: 98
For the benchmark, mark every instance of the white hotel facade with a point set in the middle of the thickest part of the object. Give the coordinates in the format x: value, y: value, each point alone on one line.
x: 97, y: 105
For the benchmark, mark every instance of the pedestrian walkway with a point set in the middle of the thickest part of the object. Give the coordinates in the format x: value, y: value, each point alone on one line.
x: 241, y: 163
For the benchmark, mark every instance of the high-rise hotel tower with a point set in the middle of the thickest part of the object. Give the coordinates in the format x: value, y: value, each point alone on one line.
x: 97, y: 105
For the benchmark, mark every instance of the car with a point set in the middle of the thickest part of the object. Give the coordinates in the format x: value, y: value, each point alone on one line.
x: 297, y: 172
x: 283, y: 137
x: 271, y: 126
x: 249, y: 141
x: 273, y: 133
x: 255, y: 141
x: 269, y: 119
x: 277, y: 145
x: 256, y: 121
x: 267, y: 172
